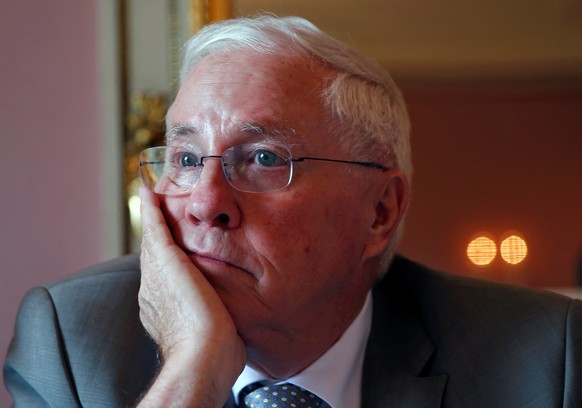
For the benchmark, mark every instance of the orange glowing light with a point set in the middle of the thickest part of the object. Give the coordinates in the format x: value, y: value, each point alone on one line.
x: 481, y: 251
x: 513, y: 249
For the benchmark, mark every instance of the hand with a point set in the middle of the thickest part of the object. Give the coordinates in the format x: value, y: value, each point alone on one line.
x: 202, y: 352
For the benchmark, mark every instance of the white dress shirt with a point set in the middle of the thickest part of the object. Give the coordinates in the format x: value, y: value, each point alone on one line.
x: 336, y: 377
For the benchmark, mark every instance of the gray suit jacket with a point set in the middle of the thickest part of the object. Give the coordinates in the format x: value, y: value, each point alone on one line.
x: 436, y: 341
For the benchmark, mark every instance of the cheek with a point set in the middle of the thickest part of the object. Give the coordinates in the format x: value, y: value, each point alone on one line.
x: 278, y: 223
x: 303, y: 232
x: 336, y: 228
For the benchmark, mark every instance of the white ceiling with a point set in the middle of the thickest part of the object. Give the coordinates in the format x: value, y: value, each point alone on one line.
x: 435, y: 39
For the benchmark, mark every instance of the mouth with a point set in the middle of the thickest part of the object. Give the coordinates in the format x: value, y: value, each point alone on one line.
x: 212, y: 264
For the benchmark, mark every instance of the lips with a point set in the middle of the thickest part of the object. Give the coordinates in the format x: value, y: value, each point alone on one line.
x: 216, y: 254
x: 212, y: 258
x: 212, y: 263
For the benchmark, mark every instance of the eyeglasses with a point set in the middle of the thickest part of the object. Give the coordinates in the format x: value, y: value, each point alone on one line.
x: 249, y: 167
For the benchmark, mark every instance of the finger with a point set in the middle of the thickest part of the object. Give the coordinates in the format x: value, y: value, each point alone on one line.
x: 153, y: 222
x: 158, y: 246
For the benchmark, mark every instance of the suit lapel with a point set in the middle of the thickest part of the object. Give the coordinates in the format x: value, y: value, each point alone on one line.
x: 399, y: 353
x: 230, y: 403
x: 402, y: 391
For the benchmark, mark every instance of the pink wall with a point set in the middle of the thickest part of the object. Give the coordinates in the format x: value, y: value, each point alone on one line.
x: 49, y: 167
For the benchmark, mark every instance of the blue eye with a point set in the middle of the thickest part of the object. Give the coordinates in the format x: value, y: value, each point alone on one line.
x: 187, y: 159
x: 267, y: 158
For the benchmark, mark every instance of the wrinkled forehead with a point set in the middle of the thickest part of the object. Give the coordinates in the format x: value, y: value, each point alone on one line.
x: 292, y: 73
x: 187, y: 134
x: 275, y: 95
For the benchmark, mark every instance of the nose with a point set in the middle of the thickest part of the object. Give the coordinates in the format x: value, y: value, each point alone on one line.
x: 212, y: 200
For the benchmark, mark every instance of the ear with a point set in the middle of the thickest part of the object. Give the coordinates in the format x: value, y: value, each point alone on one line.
x: 391, y: 204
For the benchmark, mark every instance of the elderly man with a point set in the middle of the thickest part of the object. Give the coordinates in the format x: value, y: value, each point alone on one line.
x: 267, y: 275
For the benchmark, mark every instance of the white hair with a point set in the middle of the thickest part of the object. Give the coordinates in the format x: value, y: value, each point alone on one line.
x: 367, y: 110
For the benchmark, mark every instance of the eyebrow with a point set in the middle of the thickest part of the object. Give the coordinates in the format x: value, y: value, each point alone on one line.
x: 276, y: 134
x: 181, y: 130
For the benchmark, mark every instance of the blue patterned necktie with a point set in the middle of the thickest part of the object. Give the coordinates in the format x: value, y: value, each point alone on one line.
x: 286, y: 395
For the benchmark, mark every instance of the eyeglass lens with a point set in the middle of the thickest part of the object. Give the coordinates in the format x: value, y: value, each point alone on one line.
x: 249, y: 167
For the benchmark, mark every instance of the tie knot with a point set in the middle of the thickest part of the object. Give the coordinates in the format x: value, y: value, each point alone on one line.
x: 286, y: 395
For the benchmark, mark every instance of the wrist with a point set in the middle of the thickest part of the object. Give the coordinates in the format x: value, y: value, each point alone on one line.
x: 195, y: 376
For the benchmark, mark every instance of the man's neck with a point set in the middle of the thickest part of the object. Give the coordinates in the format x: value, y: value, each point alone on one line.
x: 336, y: 375
x: 284, y: 356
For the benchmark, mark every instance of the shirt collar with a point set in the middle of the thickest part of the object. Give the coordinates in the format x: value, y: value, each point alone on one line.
x: 336, y: 376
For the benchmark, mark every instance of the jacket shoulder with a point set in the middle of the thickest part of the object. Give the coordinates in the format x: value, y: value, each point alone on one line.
x: 441, y: 292
x: 493, y: 340
x: 123, y: 268
x: 91, y: 322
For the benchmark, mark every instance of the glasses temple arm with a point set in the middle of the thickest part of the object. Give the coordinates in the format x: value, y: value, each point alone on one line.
x: 359, y: 163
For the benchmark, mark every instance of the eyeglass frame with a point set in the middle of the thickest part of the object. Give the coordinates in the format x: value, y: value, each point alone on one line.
x: 290, y: 159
